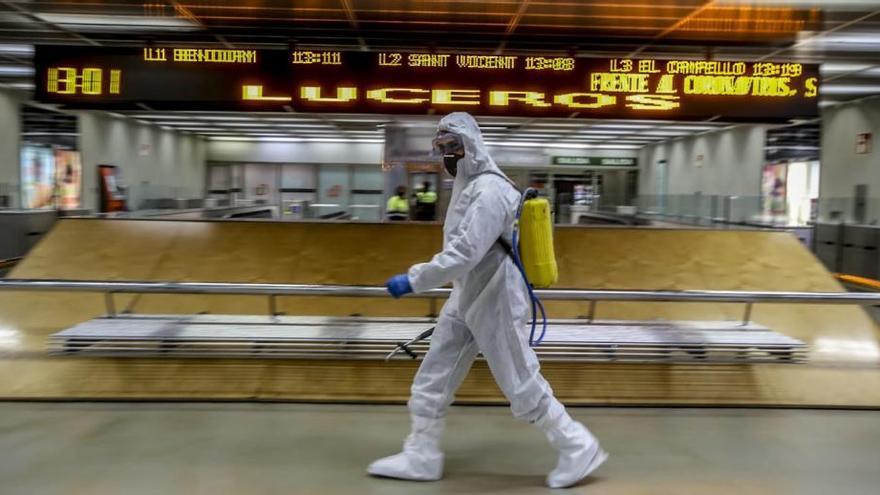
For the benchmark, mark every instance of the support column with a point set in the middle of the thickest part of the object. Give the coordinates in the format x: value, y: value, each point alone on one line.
x: 10, y: 149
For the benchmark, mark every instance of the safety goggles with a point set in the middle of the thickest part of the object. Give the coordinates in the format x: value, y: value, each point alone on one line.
x: 448, y: 143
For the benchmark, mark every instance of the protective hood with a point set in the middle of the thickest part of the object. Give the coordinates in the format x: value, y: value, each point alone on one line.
x: 476, y: 157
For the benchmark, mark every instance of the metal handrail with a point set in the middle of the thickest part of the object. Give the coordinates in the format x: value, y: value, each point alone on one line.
x: 858, y: 298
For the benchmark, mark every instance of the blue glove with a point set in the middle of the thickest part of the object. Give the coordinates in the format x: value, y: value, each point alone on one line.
x: 398, y: 285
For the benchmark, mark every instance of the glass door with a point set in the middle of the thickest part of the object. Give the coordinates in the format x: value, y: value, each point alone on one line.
x: 299, y: 189
x: 334, y: 182
x: 219, y: 184
x: 261, y: 184
x: 366, y: 193
x: 661, y: 183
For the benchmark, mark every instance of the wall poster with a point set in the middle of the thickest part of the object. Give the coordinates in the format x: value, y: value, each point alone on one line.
x: 37, y: 177
x: 68, y: 179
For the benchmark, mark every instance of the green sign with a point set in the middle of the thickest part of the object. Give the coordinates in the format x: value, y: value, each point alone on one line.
x: 595, y: 161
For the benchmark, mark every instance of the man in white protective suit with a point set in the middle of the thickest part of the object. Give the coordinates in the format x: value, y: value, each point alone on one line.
x: 486, y: 312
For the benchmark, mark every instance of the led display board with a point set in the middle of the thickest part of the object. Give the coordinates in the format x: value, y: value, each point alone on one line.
x: 180, y: 78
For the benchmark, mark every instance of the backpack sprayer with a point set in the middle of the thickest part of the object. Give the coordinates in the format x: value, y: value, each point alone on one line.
x: 533, y: 253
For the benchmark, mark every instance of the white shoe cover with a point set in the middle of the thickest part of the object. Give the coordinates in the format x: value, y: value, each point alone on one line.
x: 577, y: 460
x: 421, y: 459
x: 579, y: 452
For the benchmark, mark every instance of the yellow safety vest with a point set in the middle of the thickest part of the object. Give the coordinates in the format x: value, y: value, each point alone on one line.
x: 397, y: 204
x: 426, y: 197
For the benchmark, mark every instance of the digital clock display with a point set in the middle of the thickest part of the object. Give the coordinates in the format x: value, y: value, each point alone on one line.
x: 182, y: 78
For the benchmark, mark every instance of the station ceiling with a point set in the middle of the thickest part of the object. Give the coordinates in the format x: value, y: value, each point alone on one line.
x: 501, y: 131
x: 842, y: 35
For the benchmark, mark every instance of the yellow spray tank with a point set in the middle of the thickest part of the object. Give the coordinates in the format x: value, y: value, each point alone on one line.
x: 536, y: 242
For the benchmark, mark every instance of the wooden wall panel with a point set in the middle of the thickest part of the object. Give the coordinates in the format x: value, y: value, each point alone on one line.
x: 843, y: 371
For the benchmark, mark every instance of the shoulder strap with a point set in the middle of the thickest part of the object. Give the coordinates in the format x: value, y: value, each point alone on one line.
x: 507, y: 247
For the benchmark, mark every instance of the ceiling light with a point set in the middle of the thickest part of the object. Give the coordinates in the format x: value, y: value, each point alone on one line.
x: 242, y: 124
x: 653, y: 122
x: 850, y: 89
x: 858, y: 38
x: 194, y: 123
x: 659, y: 133
x: 617, y: 146
x: 690, y: 128
x: 571, y: 145
x: 530, y: 135
x: 872, y: 72
x: 558, y: 124
x: 590, y: 131
x: 26, y: 86
x: 337, y: 140
x: 518, y: 144
x: 328, y: 130
x: 16, y: 70
x: 118, y: 23
x: 620, y: 126
x: 160, y: 116
x: 866, y: 71
x: 225, y: 118
x: 841, y: 67
x: 14, y: 49
x: 360, y: 121
x: 484, y: 121
x: 290, y: 119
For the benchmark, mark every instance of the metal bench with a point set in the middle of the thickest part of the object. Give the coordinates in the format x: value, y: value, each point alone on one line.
x: 227, y: 336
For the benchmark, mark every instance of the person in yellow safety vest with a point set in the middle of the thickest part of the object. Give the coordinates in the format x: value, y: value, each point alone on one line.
x: 426, y: 203
x: 398, y: 206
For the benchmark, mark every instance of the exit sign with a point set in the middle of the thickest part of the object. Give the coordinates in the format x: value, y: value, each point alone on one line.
x: 595, y: 161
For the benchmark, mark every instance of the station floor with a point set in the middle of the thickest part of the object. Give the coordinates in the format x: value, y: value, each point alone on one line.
x: 251, y: 448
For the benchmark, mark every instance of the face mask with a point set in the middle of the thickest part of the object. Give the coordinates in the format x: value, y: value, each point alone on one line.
x: 451, y: 147
x: 450, y: 163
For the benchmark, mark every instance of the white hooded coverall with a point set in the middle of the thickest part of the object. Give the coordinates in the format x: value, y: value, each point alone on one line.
x: 489, y: 305
x: 487, y: 312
